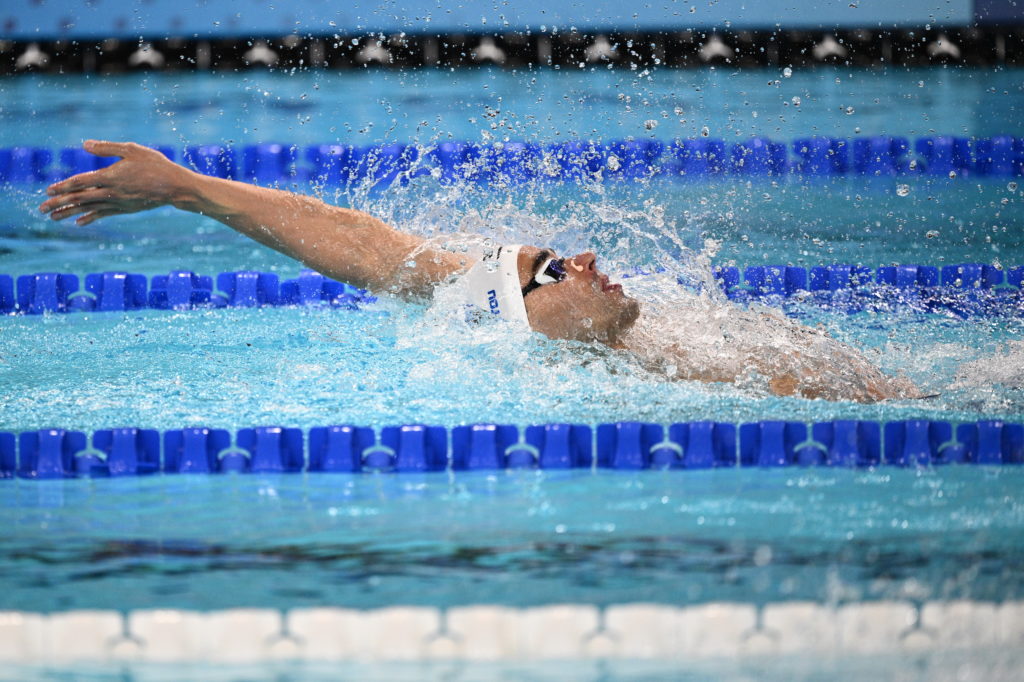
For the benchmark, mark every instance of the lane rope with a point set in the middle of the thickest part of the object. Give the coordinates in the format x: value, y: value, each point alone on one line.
x: 418, y: 448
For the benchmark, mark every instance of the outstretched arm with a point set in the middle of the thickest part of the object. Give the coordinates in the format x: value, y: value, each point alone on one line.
x: 342, y: 243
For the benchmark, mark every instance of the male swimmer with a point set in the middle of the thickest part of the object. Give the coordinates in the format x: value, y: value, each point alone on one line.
x: 562, y: 298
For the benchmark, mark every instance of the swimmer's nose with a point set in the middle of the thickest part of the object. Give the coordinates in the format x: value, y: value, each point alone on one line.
x: 585, y: 261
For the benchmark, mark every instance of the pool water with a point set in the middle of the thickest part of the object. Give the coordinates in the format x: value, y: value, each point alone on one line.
x: 786, y: 220
x: 517, y: 538
x: 513, y: 538
x: 395, y: 363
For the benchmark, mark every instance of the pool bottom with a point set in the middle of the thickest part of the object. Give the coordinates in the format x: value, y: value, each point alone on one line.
x: 983, y: 665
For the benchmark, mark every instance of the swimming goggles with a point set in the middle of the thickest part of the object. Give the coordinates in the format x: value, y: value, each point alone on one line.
x: 553, y: 270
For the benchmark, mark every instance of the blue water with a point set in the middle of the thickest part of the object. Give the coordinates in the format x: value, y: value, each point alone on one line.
x: 520, y: 539
x: 936, y: 221
x: 517, y: 538
x: 391, y: 363
x: 237, y: 368
x: 991, y: 665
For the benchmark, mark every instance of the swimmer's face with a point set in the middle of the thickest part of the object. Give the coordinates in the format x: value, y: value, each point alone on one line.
x: 584, y: 306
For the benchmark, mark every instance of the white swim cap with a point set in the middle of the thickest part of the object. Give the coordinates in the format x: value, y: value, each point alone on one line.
x: 493, y: 284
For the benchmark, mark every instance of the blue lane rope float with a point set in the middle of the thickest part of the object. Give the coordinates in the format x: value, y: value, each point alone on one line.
x: 59, y: 453
x: 345, y: 165
x: 966, y: 289
x: 53, y: 292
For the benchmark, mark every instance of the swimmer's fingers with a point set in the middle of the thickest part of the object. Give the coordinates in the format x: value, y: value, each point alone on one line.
x: 104, y: 148
x: 97, y: 210
x: 72, y: 210
x: 97, y: 178
x: 95, y: 215
x: 61, y: 207
x: 76, y: 183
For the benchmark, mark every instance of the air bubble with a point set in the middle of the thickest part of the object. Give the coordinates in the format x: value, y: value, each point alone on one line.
x: 902, y: 190
x: 613, y: 163
x: 931, y: 234
x: 796, y: 101
x: 952, y: 175
x: 849, y: 111
x: 650, y: 124
x: 1012, y: 186
x: 787, y: 72
x: 705, y: 131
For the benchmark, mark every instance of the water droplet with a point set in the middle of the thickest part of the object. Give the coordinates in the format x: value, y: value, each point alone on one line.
x: 931, y: 234
x: 1012, y: 186
x: 849, y: 111
x: 903, y: 190
x: 787, y: 72
x: 650, y: 124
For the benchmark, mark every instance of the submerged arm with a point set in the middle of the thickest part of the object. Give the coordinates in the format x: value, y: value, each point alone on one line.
x: 830, y: 370
x: 342, y: 243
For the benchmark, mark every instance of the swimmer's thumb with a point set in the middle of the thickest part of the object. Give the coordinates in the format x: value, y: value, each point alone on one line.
x: 103, y: 148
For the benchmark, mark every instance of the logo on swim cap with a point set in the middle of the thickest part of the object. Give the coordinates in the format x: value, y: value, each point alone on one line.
x: 492, y: 284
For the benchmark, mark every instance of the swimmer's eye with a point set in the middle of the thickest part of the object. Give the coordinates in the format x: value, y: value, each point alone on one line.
x: 553, y: 270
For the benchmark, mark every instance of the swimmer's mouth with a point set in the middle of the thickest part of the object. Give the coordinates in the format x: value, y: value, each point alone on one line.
x: 608, y: 286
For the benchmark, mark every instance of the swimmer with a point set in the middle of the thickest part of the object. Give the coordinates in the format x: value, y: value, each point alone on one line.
x: 562, y: 298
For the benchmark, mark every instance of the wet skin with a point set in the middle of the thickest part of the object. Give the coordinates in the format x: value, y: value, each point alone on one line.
x: 584, y: 306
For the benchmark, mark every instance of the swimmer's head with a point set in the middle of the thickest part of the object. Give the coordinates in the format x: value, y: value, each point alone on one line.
x: 571, y: 299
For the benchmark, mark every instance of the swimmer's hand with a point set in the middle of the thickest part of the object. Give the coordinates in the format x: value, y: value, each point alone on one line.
x: 143, y: 179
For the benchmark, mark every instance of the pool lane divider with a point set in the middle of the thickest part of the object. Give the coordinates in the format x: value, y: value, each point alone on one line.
x: 969, y: 288
x: 418, y: 448
x: 998, y: 156
x: 832, y: 630
x: 56, y: 292
x: 965, y: 289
